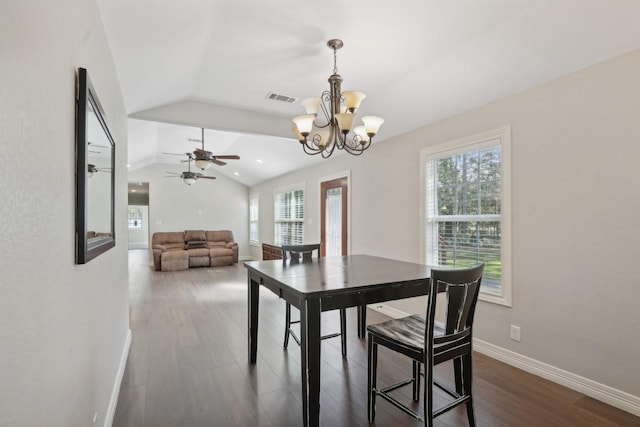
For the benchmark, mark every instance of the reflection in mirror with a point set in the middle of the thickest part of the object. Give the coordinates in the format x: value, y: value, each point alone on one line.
x: 95, y: 175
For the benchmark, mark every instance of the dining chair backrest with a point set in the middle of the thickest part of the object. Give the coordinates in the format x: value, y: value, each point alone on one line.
x: 300, y: 253
x: 461, y: 288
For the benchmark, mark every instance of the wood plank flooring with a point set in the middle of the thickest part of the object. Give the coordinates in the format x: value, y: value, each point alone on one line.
x: 188, y: 366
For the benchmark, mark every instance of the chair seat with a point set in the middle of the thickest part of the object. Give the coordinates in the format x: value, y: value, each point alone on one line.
x: 406, y: 331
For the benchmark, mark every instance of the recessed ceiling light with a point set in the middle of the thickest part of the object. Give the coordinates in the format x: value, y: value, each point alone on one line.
x: 133, y: 191
x: 259, y: 160
x: 128, y: 165
x: 236, y: 174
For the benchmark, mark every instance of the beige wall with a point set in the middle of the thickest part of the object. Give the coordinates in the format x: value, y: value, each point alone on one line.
x: 575, y: 204
x: 63, y: 327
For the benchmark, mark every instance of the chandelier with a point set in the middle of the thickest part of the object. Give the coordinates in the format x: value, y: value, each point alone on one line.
x: 334, y: 129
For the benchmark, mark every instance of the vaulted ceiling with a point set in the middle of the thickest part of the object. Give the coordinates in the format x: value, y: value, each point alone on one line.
x: 213, y: 63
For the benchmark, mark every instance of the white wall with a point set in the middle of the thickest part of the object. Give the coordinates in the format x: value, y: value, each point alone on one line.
x: 575, y: 204
x: 63, y: 327
x: 220, y: 204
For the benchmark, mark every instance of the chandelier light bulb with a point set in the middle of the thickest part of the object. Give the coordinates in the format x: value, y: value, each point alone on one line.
x: 311, y: 105
x: 297, y: 133
x: 361, y: 133
x: 353, y: 98
x: 372, y: 124
x: 345, y: 122
x: 304, y: 124
x: 322, y: 138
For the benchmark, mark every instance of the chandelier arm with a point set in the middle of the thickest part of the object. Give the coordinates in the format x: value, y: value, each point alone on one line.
x: 310, y: 150
x: 324, y: 100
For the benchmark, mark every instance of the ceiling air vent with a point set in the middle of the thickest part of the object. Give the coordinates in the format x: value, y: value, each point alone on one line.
x: 283, y: 98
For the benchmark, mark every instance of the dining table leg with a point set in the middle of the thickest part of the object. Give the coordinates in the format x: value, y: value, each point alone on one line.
x: 362, y: 321
x: 253, y: 299
x: 310, y: 361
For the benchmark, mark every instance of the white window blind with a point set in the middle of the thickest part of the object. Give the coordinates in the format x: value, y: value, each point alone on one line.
x: 254, y: 234
x: 464, y: 211
x: 289, y: 217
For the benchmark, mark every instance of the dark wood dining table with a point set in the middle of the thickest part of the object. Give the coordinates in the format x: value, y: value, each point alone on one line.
x: 327, y: 284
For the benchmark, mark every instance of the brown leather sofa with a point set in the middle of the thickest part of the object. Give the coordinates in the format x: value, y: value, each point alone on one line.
x: 181, y: 250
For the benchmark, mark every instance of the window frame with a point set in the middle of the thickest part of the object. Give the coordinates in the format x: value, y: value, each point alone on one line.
x: 254, y: 199
x: 284, y: 190
x: 462, y: 145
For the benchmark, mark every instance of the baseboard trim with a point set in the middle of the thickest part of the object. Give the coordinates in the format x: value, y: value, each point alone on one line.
x: 115, y: 392
x: 388, y: 311
x: 609, y: 395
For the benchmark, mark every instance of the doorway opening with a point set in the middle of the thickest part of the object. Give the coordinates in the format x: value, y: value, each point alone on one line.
x: 138, y: 215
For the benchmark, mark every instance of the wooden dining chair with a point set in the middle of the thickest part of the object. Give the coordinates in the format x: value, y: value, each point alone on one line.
x: 429, y: 343
x: 304, y: 253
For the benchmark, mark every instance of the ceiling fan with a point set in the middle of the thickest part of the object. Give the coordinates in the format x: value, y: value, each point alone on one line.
x: 188, y: 177
x: 205, y: 158
x: 91, y: 169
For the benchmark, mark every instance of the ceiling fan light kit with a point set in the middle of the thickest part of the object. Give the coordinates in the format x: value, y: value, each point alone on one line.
x: 338, y: 111
x: 189, y: 177
x: 204, y: 159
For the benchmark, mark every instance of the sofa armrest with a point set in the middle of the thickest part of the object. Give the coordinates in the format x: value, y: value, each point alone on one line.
x: 235, y: 248
x: 157, y: 256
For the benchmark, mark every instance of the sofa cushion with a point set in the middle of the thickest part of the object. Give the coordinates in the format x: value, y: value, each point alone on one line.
x: 196, y: 244
x: 194, y: 235
x: 174, y: 246
x: 198, y: 252
x: 175, y: 261
x: 163, y: 237
x: 219, y: 236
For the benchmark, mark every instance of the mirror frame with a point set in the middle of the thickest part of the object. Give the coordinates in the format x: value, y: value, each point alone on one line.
x: 87, y: 249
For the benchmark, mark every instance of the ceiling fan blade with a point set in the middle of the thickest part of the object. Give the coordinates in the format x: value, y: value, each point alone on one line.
x: 218, y: 162
x: 199, y: 175
x: 230, y: 157
x: 178, y: 154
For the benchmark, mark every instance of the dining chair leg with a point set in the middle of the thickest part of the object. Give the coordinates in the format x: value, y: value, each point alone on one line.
x: 428, y: 394
x: 343, y: 330
x: 372, y: 368
x: 287, y: 325
x: 467, y: 385
x: 416, y: 380
x: 457, y: 374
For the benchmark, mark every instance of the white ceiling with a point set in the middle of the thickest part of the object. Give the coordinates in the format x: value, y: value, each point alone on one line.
x: 211, y: 63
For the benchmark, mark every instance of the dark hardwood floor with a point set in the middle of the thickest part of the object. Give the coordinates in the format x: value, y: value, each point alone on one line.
x: 188, y: 366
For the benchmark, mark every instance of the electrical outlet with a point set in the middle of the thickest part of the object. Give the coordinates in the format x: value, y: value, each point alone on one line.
x: 515, y: 333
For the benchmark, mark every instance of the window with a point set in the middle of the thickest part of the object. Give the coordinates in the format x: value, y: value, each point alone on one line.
x: 289, y: 216
x: 254, y: 235
x: 135, y: 218
x: 467, y: 208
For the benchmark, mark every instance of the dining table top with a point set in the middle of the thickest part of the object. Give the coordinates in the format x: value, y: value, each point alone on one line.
x: 339, y: 274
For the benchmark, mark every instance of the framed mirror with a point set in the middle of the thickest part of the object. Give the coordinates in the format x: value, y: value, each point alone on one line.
x: 95, y: 175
